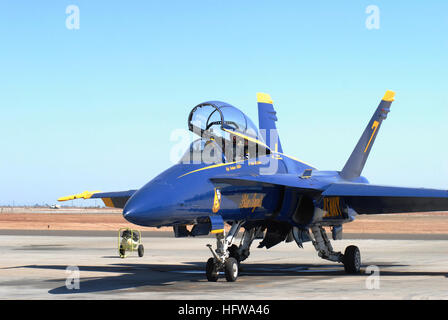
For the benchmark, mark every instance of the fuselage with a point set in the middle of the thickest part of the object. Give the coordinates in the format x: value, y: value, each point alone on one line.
x: 185, y: 193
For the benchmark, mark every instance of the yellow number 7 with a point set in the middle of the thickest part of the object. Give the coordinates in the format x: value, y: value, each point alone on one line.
x: 374, y: 127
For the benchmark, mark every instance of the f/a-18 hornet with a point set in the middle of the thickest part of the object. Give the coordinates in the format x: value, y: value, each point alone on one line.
x: 236, y: 173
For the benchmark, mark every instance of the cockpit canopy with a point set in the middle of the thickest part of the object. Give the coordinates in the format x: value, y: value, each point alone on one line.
x: 221, y: 120
x: 226, y: 135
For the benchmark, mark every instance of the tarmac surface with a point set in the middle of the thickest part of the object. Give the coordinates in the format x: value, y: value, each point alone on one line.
x: 34, y: 266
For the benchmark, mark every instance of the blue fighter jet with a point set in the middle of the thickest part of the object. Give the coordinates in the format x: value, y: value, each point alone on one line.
x: 236, y: 173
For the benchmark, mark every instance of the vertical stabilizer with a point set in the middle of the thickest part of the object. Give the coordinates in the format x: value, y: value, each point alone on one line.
x: 355, y: 164
x: 266, y: 121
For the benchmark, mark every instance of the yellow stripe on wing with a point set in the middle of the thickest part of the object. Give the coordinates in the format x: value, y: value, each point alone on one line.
x: 83, y: 195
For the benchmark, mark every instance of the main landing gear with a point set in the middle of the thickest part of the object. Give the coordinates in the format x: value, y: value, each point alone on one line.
x: 227, y: 256
x: 222, y: 259
x: 351, y: 257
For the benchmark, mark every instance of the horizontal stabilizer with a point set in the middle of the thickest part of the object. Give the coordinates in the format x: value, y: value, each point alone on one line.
x: 374, y: 199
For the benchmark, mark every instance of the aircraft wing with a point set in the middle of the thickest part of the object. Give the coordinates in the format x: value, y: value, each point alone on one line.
x: 375, y: 199
x: 363, y: 198
x: 115, y: 199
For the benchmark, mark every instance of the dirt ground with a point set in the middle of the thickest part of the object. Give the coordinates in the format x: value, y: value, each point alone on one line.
x: 20, y: 218
x: 65, y: 219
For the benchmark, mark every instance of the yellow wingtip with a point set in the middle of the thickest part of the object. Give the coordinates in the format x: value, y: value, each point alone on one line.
x: 83, y: 195
x: 389, y: 96
x: 66, y: 198
x: 264, y: 98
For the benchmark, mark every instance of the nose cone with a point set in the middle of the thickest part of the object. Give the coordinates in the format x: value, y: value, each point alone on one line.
x: 151, y: 206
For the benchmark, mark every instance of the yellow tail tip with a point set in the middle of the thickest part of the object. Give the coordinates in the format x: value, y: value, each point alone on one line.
x: 389, y: 96
x: 264, y: 98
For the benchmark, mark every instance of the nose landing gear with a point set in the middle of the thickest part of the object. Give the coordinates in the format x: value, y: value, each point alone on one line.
x: 222, y: 261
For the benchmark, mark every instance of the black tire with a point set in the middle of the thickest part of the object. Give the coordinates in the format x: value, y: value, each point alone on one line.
x: 231, y: 269
x: 122, y: 252
x: 141, y: 250
x: 352, y: 260
x: 211, y: 270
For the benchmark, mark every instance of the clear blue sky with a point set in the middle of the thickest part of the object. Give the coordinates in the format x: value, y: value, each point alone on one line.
x: 93, y: 109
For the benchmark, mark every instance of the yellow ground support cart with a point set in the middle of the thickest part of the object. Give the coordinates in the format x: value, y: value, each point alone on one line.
x: 130, y: 240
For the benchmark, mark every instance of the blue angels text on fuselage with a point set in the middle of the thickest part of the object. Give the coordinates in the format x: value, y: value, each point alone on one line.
x: 237, y: 173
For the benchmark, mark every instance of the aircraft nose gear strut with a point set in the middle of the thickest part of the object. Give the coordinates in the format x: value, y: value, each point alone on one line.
x: 222, y: 261
x: 351, y: 257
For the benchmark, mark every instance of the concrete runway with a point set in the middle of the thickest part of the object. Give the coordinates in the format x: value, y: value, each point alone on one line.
x: 34, y: 267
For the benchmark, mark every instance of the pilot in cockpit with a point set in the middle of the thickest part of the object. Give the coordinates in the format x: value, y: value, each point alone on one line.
x: 213, y: 150
x: 240, y: 149
x: 230, y: 128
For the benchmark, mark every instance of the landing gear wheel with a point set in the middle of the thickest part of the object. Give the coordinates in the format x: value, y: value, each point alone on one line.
x: 141, y: 250
x: 352, y: 259
x: 211, y: 270
x: 231, y: 269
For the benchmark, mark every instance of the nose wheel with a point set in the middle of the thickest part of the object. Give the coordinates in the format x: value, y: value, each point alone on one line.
x: 212, y: 270
x: 230, y: 268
